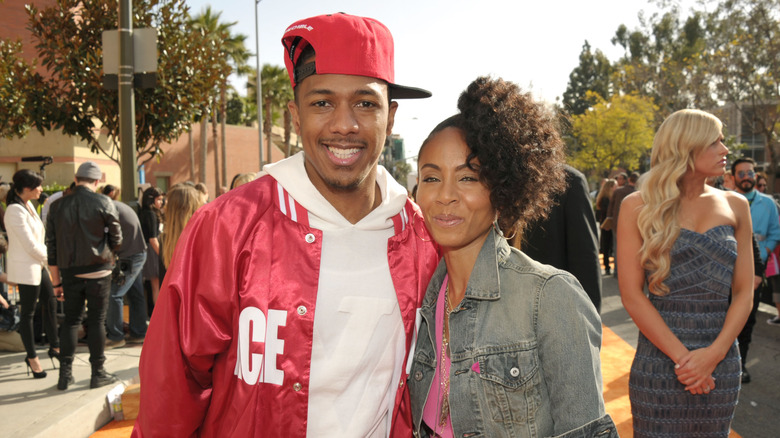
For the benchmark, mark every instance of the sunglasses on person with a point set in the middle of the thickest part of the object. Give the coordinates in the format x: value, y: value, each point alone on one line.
x: 746, y: 174
x: 761, y: 186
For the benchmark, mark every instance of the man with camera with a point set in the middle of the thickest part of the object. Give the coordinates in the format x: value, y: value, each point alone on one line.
x: 127, y: 280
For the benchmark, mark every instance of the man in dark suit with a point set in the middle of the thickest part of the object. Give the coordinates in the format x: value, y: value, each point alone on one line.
x: 568, y: 238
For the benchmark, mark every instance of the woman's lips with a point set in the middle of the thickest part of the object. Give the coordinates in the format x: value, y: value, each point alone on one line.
x: 448, y: 220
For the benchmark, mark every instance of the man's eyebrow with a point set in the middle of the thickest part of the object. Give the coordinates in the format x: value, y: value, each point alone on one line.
x: 367, y: 92
x: 324, y: 91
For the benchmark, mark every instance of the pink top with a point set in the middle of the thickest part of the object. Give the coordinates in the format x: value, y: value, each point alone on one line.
x: 436, y: 394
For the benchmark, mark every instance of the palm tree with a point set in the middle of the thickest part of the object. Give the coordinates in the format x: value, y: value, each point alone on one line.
x: 238, y: 55
x: 231, y: 55
x: 276, y: 92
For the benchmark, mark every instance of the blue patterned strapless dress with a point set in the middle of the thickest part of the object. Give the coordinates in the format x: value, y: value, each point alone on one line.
x: 695, y: 310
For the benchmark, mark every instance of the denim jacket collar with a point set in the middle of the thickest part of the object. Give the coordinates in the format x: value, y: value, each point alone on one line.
x: 484, y: 281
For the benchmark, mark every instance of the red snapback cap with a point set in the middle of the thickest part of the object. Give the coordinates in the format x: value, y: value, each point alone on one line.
x: 348, y: 45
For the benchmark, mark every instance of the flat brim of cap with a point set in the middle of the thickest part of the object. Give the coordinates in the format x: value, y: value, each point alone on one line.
x: 402, y: 92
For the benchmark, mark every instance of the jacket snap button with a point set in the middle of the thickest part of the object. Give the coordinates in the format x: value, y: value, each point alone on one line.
x: 301, y: 310
x: 310, y: 238
x: 297, y: 387
x: 401, y: 385
x: 418, y: 375
x: 514, y: 372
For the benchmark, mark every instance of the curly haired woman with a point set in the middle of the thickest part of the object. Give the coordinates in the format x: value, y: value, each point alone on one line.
x: 507, y: 346
x: 692, y: 245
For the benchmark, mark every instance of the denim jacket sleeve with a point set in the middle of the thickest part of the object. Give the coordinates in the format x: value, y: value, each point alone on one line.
x: 604, y: 427
x: 569, y: 339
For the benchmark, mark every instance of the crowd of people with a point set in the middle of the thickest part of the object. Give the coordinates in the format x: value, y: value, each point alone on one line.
x: 91, y: 253
x: 320, y: 297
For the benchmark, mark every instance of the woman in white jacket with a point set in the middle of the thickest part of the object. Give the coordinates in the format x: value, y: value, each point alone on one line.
x: 26, y: 265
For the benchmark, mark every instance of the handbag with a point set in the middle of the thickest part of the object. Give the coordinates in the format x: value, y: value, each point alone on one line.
x: 772, y: 267
x: 9, y: 318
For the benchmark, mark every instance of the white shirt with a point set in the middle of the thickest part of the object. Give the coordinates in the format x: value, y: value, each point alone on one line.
x: 359, y: 341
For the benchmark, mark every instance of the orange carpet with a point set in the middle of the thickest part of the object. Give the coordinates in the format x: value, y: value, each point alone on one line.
x: 616, y: 357
x: 115, y: 429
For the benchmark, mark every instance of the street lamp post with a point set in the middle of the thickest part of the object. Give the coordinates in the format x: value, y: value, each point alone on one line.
x: 258, y: 86
x: 129, y: 175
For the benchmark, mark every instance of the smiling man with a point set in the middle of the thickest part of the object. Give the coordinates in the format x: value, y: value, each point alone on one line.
x: 291, y: 302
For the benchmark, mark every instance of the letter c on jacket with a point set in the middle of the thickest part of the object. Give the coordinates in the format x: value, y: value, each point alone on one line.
x: 253, y: 327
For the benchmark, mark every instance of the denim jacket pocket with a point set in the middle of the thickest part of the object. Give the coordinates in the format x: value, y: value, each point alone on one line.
x: 603, y: 427
x: 510, y: 380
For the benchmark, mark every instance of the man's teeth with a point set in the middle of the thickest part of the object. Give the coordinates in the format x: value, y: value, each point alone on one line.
x: 343, y: 153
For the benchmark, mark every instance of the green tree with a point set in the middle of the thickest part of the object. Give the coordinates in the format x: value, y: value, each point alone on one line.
x: 614, y: 133
x: 14, y: 118
x: 230, y: 51
x: 664, y: 61
x: 68, y: 39
x: 592, y: 74
x: 400, y: 171
x: 276, y: 92
x: 235, y: 109
x: 744, y: 61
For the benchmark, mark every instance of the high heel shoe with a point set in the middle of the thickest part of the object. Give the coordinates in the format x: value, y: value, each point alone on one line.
x: 54, y: 354
x: 36, y: 375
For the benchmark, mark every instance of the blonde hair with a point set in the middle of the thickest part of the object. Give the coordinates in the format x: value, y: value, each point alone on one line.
x: 242, y: 178
x: 679, y: 140
x: 606, y: 190
x: 183, y: 201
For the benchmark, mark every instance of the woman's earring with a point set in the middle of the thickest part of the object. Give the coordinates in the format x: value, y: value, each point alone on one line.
x: 497, y: 228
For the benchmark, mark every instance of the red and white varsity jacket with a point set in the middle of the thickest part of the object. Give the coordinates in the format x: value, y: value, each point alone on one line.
x: 228, y: 349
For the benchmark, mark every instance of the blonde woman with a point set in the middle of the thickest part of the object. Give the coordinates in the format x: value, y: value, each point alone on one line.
x: 241, y: 179
x: 692, y: 245
x: 183, y: 201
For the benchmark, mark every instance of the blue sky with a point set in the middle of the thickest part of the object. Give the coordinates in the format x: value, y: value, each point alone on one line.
x: 442, y: 45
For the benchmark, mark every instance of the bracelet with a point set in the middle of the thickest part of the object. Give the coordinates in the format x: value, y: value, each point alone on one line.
x: 56, y: 286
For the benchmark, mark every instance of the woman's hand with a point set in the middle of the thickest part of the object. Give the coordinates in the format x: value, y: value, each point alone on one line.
x: 694, y: 370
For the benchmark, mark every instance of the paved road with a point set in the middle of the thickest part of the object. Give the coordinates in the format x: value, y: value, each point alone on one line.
x: 758, y: 412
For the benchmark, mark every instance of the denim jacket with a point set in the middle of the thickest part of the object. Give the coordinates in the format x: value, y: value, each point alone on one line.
x: 524, y: 346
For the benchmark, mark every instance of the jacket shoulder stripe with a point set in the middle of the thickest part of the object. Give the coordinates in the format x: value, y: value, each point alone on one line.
x: 280, y: 201
x: 289, y: 207
x: 401, y: 219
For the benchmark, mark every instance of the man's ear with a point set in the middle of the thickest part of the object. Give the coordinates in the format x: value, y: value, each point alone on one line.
x: 391, y: 117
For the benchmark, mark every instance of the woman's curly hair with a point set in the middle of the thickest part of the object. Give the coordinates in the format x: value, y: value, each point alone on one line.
x: 520, y: 152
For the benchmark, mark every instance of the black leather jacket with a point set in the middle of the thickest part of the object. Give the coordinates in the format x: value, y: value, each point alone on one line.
x: 82, y: 232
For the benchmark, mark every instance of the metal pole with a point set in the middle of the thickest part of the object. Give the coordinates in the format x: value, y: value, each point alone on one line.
x: 127, y: 102
x: 257, y: 88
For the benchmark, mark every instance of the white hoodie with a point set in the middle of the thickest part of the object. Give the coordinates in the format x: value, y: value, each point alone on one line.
x: 358, y: 345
